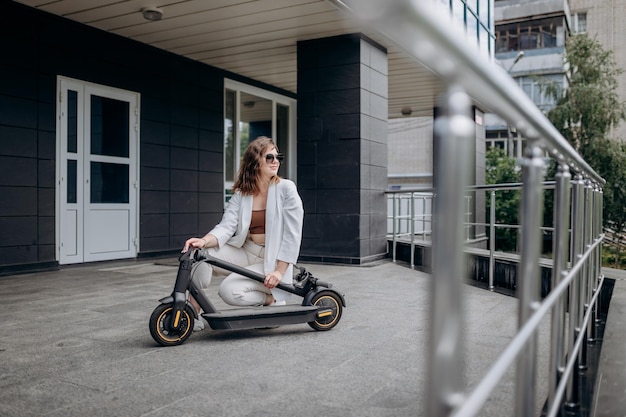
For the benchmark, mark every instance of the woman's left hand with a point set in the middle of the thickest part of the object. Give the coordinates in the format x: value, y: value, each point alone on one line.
x: 273, y: 279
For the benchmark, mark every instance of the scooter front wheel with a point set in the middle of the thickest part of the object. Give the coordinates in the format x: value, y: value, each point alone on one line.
x: 160, y: 325
x: 331, y: 301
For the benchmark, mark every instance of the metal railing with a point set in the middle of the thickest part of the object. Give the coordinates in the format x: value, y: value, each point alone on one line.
x: 409, y: 220
x: 425, y: 32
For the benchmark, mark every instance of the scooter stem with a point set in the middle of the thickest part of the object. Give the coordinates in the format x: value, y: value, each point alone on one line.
x: 180, y: 288
x: 184, y: 272
x: 202, y: 255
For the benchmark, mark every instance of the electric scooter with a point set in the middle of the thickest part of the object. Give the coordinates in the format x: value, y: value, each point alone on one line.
x: 171, y: 322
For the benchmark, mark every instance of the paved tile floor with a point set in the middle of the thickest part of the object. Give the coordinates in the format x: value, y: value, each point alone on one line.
x: 75, y: 342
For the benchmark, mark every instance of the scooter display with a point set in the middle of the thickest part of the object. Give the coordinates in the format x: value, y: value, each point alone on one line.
x: 171, y: 322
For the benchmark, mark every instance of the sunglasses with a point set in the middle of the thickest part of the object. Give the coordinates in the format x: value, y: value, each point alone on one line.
x: 269, y: 158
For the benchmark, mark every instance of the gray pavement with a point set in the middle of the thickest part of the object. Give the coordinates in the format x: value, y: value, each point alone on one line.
x: 610, y: 398
x: 75, y: 342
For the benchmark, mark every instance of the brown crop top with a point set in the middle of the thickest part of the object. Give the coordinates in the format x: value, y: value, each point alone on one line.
x: 257, y: 223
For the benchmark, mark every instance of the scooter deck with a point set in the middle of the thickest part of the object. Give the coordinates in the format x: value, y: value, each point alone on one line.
x: 255, y: 317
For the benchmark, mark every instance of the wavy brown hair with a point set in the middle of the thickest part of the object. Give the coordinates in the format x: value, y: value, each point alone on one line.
x: 250, y: 170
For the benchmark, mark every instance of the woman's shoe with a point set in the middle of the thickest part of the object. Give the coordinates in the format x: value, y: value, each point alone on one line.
x: 198, y: 324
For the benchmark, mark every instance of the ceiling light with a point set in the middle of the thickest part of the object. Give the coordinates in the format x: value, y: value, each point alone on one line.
x: 152, y: 13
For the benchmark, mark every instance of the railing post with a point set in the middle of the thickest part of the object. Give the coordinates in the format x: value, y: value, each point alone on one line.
x: 468, y: 216
x: 412, y: 228
x: 592, y: 281
x: 453, y: 131
x: 424, y: 217
x: 492, y: 239
x: 576, y: 243
x: 394, y: 221
x: 560, y: 245
x: 585, y: 293
x: 529, y: 276
x: 598, y: 218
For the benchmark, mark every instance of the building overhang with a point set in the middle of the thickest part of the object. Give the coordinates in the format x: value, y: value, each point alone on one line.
x: 253, y: 39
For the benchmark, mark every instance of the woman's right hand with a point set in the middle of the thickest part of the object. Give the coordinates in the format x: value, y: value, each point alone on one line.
x: 194, y: 242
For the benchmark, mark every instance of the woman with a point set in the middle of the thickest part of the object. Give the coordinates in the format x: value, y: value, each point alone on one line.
x: 261, y: 230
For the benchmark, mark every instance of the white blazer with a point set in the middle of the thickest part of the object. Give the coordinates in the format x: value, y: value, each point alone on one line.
x: 284, y: 216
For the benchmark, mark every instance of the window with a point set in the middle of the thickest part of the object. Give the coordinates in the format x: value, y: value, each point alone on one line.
x: 535, y: 88
x: 250, y: 112
x: 535, y: 34
x: 579, y: 22
x: 498, y: 139
x: 509, y: 141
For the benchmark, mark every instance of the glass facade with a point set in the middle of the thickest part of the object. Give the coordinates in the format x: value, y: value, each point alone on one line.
x: 477, y: 16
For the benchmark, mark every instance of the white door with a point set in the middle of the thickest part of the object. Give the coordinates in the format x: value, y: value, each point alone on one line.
x: 97, y: 165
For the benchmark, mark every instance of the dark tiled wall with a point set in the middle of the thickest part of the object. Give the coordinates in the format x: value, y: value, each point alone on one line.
x: 342, y: 148
x: 341, y: 144
x: 181, y: 132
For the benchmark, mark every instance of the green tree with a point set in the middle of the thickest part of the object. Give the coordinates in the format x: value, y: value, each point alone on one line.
x: 608, y: 158
x: 501, y: 169
x: 585, y: 112
x: 590, y: 105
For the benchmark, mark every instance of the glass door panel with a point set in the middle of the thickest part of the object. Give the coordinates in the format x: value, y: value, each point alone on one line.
x: 97, y: 149
x: 256, y: 119
x: 230, y: 154
x: 110, y: 174
x: 250, y: 112
x: 109, y: 127
x: 282, y: 137
x: 109, y: 183
x: 72, y: 121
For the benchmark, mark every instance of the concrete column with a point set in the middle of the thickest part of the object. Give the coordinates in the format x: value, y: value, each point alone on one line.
x: 342, y: 148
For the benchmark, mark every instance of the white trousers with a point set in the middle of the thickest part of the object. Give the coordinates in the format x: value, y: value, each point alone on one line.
x: 235, y: 289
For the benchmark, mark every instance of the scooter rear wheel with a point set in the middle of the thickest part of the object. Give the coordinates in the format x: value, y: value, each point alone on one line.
x: 327, y: 300
x: 161, y: 330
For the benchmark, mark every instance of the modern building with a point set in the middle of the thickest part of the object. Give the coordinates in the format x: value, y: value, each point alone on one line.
x: 530, y: 44
x: 121, y: 127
